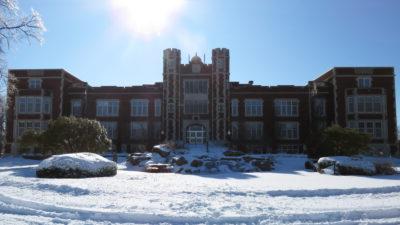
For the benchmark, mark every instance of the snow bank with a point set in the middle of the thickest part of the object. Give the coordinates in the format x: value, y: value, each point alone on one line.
x: 83, y: 164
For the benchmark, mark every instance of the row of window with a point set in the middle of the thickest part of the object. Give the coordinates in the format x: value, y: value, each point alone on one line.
x: 254, y: 130
x: 365, y: 104
x: 33, y: 104
x: 24, y: 125
x: 196, y: 86
x: 196, y: 106
x: 290, y: 130
x: 254, y: 107
x: 372, y: 127
x: 138, y: 130
x: 139, y: 107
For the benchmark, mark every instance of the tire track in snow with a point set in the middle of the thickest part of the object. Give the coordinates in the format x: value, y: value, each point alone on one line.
x: 14, y: 206
x: 312, y: 193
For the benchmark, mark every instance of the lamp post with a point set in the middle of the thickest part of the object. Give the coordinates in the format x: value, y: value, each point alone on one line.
x: 229, y: 138
x: 162, y: 136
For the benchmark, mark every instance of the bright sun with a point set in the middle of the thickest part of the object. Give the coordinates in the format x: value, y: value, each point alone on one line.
x: 146, y: 17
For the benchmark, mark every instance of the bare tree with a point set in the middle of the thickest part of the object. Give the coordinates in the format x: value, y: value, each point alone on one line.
x: 15, y: 27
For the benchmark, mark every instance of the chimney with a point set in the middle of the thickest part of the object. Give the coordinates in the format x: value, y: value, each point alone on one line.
x: 251, y: 82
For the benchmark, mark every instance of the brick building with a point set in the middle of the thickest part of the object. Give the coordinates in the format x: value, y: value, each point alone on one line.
x: 197, y: 103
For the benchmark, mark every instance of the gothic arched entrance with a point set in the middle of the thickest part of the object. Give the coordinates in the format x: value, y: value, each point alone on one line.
x: 196, y: 134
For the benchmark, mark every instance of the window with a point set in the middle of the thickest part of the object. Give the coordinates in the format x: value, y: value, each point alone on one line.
x: 319, y: 107
x: 288, y: 148
x: 33, y: 104
x: 157, y: 107
x: 111, y: 127
x: 372, y: 127
x: 235, y: 131
x: 253, y: 107
x: 76, y: 107
x: 196, y: 106
x: 47, y: 105
x: 107, y: 107
x: 35, y: 83
x: 21, y: 104
x: 364, y: 82
x: 235, y: 107
x: 350, y: 104
x: 196, y: 86
x: 139, y: 130
x: 254, y: 130
x: 286, y: 107
x: 365, y: 104
x: 288, y: 130
x: 24, y: 125
x: 139, y: 107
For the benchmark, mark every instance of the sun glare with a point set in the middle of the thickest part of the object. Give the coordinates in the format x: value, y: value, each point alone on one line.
x: 146, y: 17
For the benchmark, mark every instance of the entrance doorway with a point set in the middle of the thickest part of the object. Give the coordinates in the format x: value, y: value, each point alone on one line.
x: 196, y: 134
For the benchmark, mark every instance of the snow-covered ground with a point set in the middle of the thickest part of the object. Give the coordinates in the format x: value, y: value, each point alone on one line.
x: 287, y: 195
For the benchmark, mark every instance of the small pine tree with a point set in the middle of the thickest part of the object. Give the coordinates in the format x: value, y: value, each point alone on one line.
x: 68, y: 135
x: 336, y: 140
x: 344, y: 141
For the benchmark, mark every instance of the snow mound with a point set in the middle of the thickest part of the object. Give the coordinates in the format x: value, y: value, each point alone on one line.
x: 347, y: 165
x: 76, y: 165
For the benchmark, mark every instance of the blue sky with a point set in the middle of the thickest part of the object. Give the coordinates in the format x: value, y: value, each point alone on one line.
x: 271, y: 42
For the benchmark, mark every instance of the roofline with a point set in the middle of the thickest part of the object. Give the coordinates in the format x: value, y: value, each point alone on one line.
x: 333, y: 70
x: 48, y: 69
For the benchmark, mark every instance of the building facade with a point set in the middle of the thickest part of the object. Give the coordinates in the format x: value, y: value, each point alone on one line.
x: 197, y: 103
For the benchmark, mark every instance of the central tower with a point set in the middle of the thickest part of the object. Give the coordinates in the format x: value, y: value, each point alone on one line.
x: 195, y: 97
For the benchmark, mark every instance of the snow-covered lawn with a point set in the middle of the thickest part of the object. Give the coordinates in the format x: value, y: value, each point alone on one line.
x: 287, y: 195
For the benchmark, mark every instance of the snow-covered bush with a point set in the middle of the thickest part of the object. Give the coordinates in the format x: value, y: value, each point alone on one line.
x: 179, y: 160
x: 344, y: 165
x: 163, y: 150
x: 138, y: 157
x: 385, y: 168
x: 76, y: 165
x: 325, y: 162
